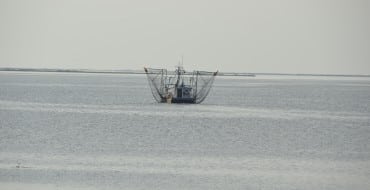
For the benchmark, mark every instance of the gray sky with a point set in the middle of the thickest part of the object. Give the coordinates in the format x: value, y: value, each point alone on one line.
x: 289, y: 36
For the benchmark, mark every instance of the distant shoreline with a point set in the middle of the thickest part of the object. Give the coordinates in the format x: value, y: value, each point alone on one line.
x: 142, y: 72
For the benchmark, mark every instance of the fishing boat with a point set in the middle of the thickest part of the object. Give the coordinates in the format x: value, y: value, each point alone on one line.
x: 179, y: 86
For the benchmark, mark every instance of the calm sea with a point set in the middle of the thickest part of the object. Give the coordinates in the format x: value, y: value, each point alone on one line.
x: 105, y: 131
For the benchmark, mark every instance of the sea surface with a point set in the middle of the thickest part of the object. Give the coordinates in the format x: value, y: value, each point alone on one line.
x: 105, y: 131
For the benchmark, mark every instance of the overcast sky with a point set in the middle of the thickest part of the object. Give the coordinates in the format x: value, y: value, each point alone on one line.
x: 286, y: 36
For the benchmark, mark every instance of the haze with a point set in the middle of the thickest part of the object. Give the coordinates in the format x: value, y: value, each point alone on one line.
x: 285, y: 36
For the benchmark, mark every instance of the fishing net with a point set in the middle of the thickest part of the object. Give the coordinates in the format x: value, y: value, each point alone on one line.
x: 157, y: 78
x: 195, y: 86
x: 203, y: 84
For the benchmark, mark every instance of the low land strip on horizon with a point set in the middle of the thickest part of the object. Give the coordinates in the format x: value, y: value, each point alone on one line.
x: 142, y: 72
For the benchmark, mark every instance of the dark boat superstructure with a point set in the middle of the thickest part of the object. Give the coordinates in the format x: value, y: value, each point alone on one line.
x: 179, y: 86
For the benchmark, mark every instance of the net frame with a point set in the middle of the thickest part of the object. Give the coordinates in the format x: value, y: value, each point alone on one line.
x: 156, y: 79
x: 203, y: 84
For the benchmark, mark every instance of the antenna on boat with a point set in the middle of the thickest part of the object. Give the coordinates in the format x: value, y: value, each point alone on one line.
x: 182, y: 60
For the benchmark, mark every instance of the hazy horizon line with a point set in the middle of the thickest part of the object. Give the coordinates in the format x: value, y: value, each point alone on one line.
x: 139, y: 71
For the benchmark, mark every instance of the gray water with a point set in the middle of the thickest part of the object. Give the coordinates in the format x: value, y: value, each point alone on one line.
x: 104, y: 131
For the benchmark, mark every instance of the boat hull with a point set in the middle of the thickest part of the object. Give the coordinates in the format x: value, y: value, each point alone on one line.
x: 181, y: 100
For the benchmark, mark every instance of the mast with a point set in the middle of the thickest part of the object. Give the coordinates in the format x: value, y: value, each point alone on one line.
x: 179, y: 70
x: 178, y: 76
